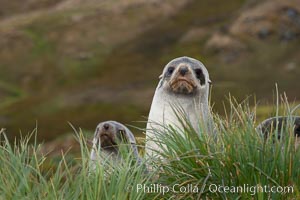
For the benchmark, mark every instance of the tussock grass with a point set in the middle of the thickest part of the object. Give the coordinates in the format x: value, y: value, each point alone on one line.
x: 194, y: 162
x: 22, y: 175
x: 238, y: 156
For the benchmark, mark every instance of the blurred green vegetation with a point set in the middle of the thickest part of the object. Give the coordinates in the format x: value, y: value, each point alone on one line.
x: 88, y: 63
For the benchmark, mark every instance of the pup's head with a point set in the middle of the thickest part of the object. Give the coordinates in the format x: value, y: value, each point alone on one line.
x: 186, y: 76
x: 269, y: 125
x: 110, y: 134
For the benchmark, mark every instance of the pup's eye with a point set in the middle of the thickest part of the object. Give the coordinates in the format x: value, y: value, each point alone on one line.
x: 198, y: 73
x: 170, y: 70
x: 200, y: 76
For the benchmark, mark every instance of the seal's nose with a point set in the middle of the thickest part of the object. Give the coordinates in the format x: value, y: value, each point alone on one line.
x: 183, y: 70
x: 106, y: 126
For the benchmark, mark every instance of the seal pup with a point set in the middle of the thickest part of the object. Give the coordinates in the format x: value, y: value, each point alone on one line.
x: 108, y: 137
x: 270, y: 124
x: 280, y: 122
x: 184, y: 83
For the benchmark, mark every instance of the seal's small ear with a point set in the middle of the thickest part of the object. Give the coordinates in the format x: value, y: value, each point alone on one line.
x: 209, y: 82
x: 160, y: 76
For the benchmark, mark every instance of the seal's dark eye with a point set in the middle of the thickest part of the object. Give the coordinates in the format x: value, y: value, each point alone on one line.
x: 170, y: 70
x: 200, y: 76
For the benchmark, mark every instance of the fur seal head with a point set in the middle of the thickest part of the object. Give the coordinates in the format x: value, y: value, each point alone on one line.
x: 108, y: 137
x: 184, y: 75
x: 280, y: 124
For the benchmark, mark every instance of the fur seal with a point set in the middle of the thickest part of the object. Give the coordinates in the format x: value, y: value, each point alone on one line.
x: 280, y: 122
x: 184, y: 83
x: 269, y: 124
x: 107, y: 139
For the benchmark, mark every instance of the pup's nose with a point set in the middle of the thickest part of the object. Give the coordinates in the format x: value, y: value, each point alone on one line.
x: 183, y: 70
x: 106, y: 126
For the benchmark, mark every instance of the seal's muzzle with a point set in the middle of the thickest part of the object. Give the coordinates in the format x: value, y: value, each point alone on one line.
x: 183, y: 80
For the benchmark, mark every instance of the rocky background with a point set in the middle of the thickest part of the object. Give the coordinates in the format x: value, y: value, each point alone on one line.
x: 85, y: 61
